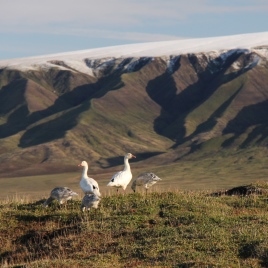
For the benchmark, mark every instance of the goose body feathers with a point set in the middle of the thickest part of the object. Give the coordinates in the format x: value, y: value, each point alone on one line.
x: 146, y: 179
x: 87, y: 184
x: 62, y: 194
x: 90, y: 201
x: 122, y: 178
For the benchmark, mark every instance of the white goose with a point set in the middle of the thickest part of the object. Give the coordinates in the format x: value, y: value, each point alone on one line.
x: 62, y: 194
x: 122, y: 178
x: 90, y: 201
x: 146, y: 179
x: 88, y: 185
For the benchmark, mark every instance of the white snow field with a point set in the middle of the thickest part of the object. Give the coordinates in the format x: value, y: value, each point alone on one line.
x: 75, y: 59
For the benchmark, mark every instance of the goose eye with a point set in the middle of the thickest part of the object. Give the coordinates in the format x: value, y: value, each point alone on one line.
x: 112, y: 180
x: 94, y: 187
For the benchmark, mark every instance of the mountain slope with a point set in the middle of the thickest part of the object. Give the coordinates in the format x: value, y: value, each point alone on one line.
x: 59, y: 109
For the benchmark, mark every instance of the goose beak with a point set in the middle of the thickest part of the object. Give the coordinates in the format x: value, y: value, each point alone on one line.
x: 133, y: 156
x: 79, y: 165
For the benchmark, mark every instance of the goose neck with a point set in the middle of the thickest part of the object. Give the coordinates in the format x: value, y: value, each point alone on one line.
x: 127, y: 166
x: 84, y: 172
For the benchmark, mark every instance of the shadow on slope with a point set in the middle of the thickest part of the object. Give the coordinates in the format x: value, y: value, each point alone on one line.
x: 64, y: 112
x: 78, y: 101
x: 15, y: 105
x: 208, y: 125
x: 252, y: 116
x: 119, y: 160
x: 52, y: 129
x: 176, y: 107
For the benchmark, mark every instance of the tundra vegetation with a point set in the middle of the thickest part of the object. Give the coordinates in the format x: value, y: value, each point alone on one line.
x: 160, y: 229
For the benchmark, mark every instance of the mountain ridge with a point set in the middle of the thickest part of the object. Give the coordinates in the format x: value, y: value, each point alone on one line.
x: 54, y: 114
x: 154, y: 49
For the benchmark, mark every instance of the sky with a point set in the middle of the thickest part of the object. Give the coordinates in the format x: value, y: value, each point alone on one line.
x: 34, y: 28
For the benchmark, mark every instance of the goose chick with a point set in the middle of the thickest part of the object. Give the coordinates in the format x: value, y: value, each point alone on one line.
x: 90, y: 201
x: 62, y: 194
x: 146, y: 179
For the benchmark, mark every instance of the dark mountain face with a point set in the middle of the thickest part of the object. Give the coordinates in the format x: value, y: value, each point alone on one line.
x: 54, y: 115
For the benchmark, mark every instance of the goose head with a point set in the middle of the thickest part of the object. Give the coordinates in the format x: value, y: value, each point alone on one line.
x: 129, y: 156
x: 83, y: 164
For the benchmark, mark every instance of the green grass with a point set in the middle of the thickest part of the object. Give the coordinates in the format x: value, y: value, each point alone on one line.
x: 168, y: 229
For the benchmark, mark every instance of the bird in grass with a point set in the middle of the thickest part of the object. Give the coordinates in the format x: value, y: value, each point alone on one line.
x: 88, y: 185
x: 90, y: 201
x: 146, y: 179
x: 62, y: 194
x: 122, y: 178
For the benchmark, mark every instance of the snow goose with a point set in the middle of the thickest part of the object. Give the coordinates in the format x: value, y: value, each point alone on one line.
x: 122, y: 178
x: 62, y: 194
x: 88, y: 185
x: 146, y: 179
x: 90, y: 201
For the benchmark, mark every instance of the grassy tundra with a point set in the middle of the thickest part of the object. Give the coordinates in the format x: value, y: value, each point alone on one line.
x: 162, y: 229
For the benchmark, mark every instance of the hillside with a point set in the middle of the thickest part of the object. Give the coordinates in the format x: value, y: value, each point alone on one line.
x: 168, y: 229
x: 161, y: 101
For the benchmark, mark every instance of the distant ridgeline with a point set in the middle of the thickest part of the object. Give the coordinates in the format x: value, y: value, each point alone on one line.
x: 162, y: 101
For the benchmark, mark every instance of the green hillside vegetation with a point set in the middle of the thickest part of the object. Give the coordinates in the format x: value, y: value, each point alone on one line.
x: 162, y: 229
x: 204, y: 117
x: 161, y: 111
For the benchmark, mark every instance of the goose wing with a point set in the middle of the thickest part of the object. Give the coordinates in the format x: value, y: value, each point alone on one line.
x: 120, y: 178
x: 90, y: 186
